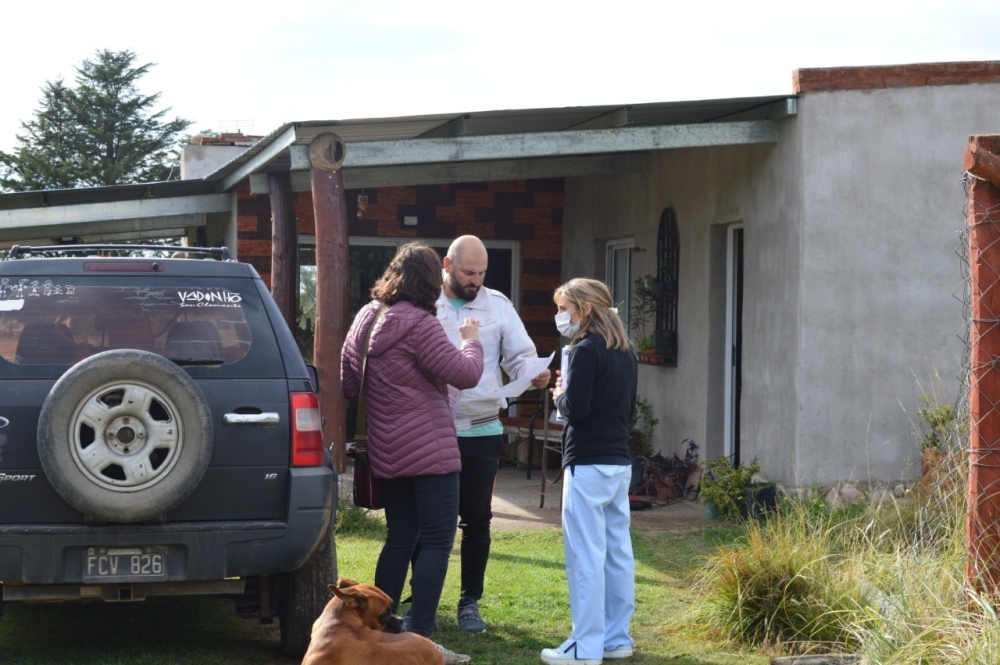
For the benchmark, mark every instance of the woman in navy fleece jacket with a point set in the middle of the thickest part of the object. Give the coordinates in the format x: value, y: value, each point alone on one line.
x: 597, y: 398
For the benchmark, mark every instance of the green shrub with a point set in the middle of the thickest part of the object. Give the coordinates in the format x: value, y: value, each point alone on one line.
x: 938, y: 422
x: 781, y: 585
x: 359, y: 522
x: 640, y: 440
x: 723, y: 486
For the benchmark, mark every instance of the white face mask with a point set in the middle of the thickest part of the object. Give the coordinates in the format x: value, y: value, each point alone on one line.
x: 565, y: 326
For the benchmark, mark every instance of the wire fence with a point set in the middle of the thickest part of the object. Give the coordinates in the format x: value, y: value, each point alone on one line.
x: 974, y: 443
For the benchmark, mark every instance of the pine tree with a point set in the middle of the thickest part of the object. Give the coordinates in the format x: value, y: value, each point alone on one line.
x: 46, y: 158
x: 102, y: 132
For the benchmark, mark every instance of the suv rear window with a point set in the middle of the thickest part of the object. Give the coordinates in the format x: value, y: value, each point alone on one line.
x: 46, y: 322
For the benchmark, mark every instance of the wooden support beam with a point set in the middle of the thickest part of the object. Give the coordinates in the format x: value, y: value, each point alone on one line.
x: 982, y: 163
x: 284, y: 245
x: 983, y: 563
x: 326, y: 154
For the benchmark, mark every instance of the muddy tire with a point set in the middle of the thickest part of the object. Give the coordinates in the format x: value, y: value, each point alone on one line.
x: 125, y: 436
x: 304, y: 594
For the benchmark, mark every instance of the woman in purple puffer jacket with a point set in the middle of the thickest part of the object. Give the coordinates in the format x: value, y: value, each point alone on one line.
x: 411, y: 428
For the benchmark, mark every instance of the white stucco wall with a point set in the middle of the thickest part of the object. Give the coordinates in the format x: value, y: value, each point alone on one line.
x: 851, y: 223
x: 883, y: 213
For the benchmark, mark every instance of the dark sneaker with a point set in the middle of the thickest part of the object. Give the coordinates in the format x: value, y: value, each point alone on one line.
x: 468, y: 616
x: 408, y: 622
x: 451, y: 657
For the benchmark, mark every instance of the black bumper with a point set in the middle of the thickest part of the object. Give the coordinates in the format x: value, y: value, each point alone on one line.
x: 190, y: 552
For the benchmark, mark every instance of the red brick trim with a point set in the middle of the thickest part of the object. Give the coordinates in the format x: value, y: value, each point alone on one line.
x: 895, y: 76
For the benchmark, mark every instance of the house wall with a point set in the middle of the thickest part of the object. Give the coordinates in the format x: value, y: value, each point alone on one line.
x: 884, y: 216
x: 851, y: 226
x: 709, y: 189
x: 770, y: 412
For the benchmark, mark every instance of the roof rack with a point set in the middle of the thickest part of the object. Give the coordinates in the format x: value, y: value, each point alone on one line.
x: 21, y: 251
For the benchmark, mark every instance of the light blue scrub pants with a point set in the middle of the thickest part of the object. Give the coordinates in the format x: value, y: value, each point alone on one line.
x: 600, y: 569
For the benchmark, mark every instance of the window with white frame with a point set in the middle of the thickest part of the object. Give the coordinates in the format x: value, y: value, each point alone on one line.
x: 618, y: 275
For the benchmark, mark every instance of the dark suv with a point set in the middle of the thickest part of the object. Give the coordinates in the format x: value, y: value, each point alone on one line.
x: 160, y: 435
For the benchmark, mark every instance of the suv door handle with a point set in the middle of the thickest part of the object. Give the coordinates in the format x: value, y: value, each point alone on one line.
x: 269, y: 418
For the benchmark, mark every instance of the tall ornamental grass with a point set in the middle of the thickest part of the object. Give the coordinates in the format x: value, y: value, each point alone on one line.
x: 885, y: 580
x: 783, y: 585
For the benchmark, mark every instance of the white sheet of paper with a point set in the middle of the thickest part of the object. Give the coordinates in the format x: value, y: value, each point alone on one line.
x: 515, y: 388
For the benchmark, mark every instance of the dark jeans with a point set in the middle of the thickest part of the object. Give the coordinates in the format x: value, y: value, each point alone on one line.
x: 480, y: 460
x: 426, y: 506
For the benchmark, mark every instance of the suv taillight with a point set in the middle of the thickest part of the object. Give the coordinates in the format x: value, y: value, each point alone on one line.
x: 307, y: 430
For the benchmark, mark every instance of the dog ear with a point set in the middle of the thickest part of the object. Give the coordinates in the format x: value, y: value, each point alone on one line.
x: 344, y: 582
x: 351, y: 594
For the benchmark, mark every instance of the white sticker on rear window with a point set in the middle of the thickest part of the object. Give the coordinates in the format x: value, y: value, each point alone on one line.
x: 11, y: 305
x: 209, y: 298
x: 32, y: 288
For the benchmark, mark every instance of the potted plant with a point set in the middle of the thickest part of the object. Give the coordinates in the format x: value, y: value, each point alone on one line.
x: 640, y: 440
x: 642, y: 308
x: 644, y: 303
x: 646, y: 349
x: 725, y: 487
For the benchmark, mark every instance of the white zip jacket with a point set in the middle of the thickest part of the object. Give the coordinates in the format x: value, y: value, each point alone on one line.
x: 505, y: 343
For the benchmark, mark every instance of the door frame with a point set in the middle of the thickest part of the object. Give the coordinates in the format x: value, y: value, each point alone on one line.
x: 734, y: 342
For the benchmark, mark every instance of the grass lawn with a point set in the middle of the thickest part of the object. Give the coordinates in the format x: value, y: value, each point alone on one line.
x: 526, y: 604
x: 526, y: 607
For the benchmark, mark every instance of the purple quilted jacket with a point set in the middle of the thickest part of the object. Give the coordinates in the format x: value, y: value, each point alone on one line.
x: 411, y: 362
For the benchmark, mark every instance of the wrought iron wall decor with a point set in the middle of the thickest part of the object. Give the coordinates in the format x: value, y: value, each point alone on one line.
x: 665, y: 290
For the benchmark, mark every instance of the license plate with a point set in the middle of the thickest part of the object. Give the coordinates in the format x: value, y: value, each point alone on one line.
x: 125, y: 564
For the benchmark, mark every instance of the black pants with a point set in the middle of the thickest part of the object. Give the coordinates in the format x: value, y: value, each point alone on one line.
x: 418, y: 507
x: 480, y: 461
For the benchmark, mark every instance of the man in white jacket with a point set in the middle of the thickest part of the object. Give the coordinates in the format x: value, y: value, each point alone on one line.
x: 506, y: 345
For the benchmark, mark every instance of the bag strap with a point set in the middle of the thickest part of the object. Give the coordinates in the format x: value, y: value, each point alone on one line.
x: 361, y: 424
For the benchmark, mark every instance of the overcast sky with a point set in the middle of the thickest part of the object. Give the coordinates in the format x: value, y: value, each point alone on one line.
x: 254, y: 65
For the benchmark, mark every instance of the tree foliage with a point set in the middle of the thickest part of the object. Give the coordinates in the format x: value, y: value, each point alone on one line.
x: 101, y: 132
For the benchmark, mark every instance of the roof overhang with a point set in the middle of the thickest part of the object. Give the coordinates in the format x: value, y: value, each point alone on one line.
x: 572, y: 142
x: 405, y: 151
x: 60, y: 217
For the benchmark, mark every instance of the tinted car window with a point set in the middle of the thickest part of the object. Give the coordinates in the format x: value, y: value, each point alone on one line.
x: 48, y: 322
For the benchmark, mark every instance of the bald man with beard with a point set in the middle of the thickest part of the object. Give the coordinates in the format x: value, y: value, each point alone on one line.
x: 506, y: 346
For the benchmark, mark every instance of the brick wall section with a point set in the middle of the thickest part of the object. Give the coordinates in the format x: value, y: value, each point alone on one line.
x: 895, y: 76
x: 530, y: 211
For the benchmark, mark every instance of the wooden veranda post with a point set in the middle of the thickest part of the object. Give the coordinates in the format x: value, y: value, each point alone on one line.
x: 326, y: 155
x: 284, y: 245
x: 983, y: 567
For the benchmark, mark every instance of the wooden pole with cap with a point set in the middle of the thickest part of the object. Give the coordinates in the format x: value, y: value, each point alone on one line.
x: 326, y: 156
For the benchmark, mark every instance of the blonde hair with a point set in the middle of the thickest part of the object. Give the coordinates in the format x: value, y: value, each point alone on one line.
x: 601, y: 320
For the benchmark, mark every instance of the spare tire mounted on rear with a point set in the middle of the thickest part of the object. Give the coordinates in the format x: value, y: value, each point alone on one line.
x: 125, y: 436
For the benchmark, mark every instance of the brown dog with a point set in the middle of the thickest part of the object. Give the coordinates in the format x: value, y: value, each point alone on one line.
x: 357, y: 627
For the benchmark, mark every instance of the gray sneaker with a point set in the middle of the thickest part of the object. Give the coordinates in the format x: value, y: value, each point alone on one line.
x: 451, y: 657
x: 468, y: 616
